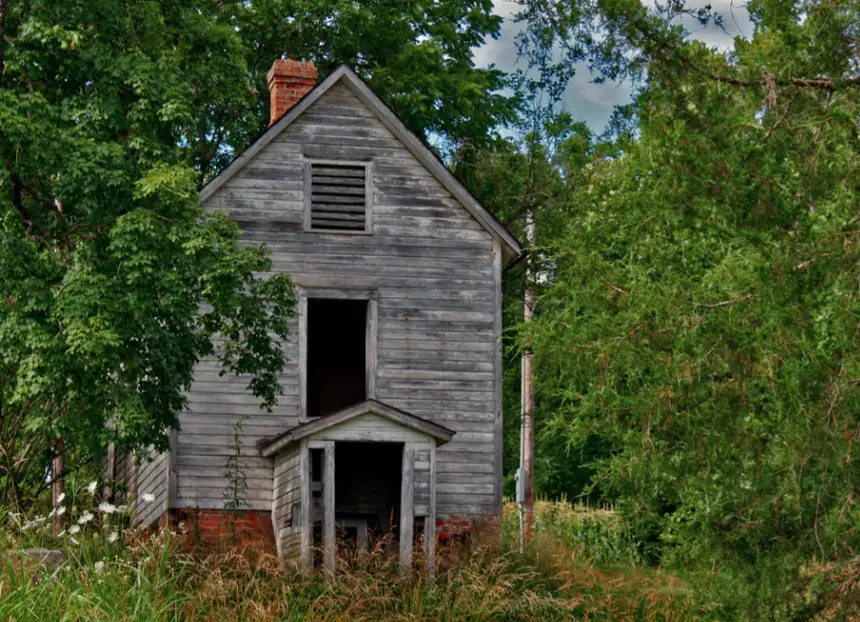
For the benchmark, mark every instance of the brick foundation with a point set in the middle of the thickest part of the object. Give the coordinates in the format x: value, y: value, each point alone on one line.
x: 484, y: 528
x: 212, y: 530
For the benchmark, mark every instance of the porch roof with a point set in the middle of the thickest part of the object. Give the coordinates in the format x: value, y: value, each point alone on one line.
x: 271, y: 446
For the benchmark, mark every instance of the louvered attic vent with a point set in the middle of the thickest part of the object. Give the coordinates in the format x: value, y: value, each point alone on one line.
x: 338, y: 197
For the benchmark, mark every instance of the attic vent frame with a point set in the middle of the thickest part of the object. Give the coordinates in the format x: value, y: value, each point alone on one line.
x: 341, y: 214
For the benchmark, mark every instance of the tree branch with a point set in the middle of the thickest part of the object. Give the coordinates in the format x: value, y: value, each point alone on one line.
x: 723, y: 303
x: 826, y: 84
x: 17, y: 195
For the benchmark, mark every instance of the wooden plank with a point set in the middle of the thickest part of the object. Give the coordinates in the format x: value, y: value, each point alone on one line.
x: 371, y: 347
x: 406, y: 512
x: 302, y: 312
x: 498, y: 380
x: 351, y: 293
x: 335, y: 187
x: 430, y: 521
x: 406, y: 246
x: 420, y: 363
x: 329, y: 543
x: 320, y: 170
x: 371, y: 436
x: 323, y: 198
x: 318, y: 207
x: 277, y: 504
x: 306, y: 526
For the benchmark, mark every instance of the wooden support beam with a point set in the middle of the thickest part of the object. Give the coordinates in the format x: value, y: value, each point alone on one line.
x: 370, y: 348
x: 302, y: 313
x: 109, y: 472
x: 407, y: 518
x: 307, y: 526
x: 430, y: 520
x: 329, y: 543
x: 172, y: 471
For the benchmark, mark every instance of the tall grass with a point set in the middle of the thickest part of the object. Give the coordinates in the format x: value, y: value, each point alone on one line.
x: 582, y: 565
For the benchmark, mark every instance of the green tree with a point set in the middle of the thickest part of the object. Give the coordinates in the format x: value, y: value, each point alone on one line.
x: 114, y: 282
x: 703, y: 316
x: 535, y: 172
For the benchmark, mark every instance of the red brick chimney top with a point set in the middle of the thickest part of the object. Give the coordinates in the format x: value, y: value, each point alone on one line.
x: 289, y: 81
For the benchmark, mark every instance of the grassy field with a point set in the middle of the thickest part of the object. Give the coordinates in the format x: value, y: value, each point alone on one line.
x: 582, y: 566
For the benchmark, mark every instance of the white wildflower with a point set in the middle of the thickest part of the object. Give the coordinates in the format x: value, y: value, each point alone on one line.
x: 61, y: 498
x: 148, y: 497
x: 91, y: 488
x: 99, y: 566
x: 74, y: 529
x: 107, y: 508
x: 85, y: 518
x: 113, y: 536
x: 61, y: 511
x: 73, y: 540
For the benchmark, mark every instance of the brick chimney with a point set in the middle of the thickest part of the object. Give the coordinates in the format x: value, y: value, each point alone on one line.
x: 289, y: 81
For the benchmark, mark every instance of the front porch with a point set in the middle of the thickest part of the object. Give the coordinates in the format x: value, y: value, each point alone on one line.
x: 388, y: 480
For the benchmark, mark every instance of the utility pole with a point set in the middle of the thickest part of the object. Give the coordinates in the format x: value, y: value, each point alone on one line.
x: 528, y: 396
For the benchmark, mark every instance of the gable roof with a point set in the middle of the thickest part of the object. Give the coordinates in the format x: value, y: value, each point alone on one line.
x: 270, y: 446
x: 343, y: 74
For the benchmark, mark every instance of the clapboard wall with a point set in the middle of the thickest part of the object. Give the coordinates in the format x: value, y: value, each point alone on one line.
x: 286, y: 506
x: 142, y: 474
x: 436, y: 278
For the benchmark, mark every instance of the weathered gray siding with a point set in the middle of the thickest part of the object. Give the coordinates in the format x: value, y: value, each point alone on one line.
x: 286, y: 506
x: 138, y: 475
x: 421, y: 475
x: 432, y: 266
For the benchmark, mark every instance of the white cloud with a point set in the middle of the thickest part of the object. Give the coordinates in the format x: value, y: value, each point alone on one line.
x: 585, y: 100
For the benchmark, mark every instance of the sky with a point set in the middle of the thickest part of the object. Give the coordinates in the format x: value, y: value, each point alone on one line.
x: 591, y: 102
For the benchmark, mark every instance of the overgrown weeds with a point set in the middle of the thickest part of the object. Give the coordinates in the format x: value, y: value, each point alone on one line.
x: 583, y: 565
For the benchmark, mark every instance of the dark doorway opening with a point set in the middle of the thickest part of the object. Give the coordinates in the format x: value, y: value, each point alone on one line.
x: 336, y: 363
x: 367, y: 491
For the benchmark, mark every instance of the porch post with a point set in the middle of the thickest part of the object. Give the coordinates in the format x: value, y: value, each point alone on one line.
x: 407, y: 516
x: 430, y: 521
x: 329, y: 560
x: 306, y: 524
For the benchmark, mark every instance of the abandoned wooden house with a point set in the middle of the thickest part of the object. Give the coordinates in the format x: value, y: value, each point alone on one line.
x: 391, y: 418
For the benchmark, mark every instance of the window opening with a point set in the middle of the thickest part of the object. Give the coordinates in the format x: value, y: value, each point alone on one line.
x: 338, y: 197
x: 336, y: 359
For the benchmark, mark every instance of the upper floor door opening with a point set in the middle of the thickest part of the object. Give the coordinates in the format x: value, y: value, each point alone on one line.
x: 337, y: 361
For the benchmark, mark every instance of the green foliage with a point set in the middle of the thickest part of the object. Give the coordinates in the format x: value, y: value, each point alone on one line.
x: 702, y: 317
x: 114, y: 282
x: 237, y: 481
x: 591, y: 535
x: 197, y: 69
x: 536, y: 173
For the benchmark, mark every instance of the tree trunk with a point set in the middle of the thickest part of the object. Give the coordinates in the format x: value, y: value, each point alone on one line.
x: 57, y: 488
